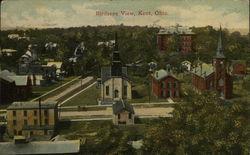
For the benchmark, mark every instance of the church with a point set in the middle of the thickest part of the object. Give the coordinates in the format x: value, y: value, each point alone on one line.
x: 208, y: 76
x: 115, y: 84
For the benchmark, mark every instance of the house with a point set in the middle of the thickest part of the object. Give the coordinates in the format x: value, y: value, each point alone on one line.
x: 57, y: 65
x: 214, y: 76
x: 21, y: 146
x: 184, y: 33
x: 165, y: 84
x: 186, y: 65
x: 32, y: 118
x: 123, y: 113
x: 14, y: 87
x: 115, y: 84
x: 239, y: 68
x: 7, y: 52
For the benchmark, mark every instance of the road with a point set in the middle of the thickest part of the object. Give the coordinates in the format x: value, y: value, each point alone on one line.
x: 143, y: 112
x: 70, y: 88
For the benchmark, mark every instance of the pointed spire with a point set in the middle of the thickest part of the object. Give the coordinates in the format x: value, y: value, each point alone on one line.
x: 116, y: 42
x: 219, y: 53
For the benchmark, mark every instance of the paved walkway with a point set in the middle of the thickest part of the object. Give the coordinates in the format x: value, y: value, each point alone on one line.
x: 71, y: 88
x: 147, y: 112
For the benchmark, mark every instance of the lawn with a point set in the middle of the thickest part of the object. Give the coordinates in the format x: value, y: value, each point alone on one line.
x: 40, y: 90
x: 88, y: 97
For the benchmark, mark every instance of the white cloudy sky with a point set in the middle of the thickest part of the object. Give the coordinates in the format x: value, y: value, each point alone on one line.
x: 73, y: 13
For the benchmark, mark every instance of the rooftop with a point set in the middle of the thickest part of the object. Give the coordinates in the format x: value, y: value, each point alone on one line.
x: 161, y: 74
x: 32, y: 105
x: 41, y: 147
x: 203, y: 70
x: 177, y: 30
x: 119, y: 106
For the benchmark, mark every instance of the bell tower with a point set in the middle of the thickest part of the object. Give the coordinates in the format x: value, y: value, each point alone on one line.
x: 116, y: 66
x: 220, y: 69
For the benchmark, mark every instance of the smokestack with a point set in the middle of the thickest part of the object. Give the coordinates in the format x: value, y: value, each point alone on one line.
x: 40, y: 114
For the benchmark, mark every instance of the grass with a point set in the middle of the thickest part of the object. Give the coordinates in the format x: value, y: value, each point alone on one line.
x: 88, y: 97
x: 40, y: 90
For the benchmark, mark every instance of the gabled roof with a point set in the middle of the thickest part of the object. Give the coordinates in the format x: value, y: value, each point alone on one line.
x: 161, y: 74
x: 32, y: 105
x: 119, y: 106
x: 203, y: 70
x: 106, y: 73
x: 20, y: 80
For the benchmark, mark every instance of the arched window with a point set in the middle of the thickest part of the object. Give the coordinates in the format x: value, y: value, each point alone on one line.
x: 221, y: 82
x: 116, y: 93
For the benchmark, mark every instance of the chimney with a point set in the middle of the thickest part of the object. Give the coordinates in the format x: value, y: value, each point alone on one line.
x: 40, y: 113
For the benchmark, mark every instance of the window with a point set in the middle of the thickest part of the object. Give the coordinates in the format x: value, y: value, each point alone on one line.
x: 116, y: 93
x: 125, y: 92
x: 15, y: 132
x: 14, y: 113
x: 168, y: 93
x: 119, y: 116
x: 130, y: 116
x: 163, y: 84
x: 14, y: 122
x: 221, y: 82
x: 35, y: 113
x: 25, y: 122
x: 174, y: 85
x: 169, y: 85
x: 46, y: 113
x: 46, y: 121
x: 107, y: 90
x: 25, y: 113
x: 176, y: 93
x: 35, y: 121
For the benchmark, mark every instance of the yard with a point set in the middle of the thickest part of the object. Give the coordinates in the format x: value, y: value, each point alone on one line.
x: 102, y: 136
x: 88, y: 97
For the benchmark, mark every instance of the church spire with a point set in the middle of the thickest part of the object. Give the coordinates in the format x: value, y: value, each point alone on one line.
x: 116, y: 67
x: 219, y: 53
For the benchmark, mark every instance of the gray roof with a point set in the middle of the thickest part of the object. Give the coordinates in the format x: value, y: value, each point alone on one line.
x: 119, y: 106
x: 32, y: 105
x: 38, y: 127
x: 161, y: 74
x: 106, y: 73
x: 20, y: 80
x: 203, y: 70
x: 173, y: 29
x: 41, y: 147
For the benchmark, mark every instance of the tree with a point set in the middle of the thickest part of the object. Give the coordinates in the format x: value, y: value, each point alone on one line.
x: 174, y: 43
x: 202, y: 124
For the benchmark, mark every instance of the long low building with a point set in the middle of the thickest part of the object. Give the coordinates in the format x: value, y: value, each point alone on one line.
x: 40, y: 147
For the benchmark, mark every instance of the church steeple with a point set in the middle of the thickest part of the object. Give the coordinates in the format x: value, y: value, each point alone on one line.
x: 219, y: 52
x: 116, y: 67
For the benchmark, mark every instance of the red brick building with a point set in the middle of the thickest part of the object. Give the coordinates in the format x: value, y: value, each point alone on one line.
x: 208, y: 76
x: 186, y: 38
x: 165, y: 85
x: 239, y: 69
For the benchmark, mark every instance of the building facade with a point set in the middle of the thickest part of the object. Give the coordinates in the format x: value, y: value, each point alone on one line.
x: 115, y: 84
x: 165, y: 85
x: 14, y: 87
x: 185, y: 35
x: 123, y: 113
x: 214, y: 76
x: 32, y: 118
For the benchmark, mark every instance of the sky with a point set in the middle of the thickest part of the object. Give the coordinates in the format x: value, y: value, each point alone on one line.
x: 76, y: 13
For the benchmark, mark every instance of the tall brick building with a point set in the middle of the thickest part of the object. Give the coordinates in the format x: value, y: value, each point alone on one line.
x: 186, y: 38
x: 207, y: 76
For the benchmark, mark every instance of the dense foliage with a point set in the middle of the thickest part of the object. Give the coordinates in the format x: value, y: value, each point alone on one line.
x: 201, y: 125
x: 135, y: 43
